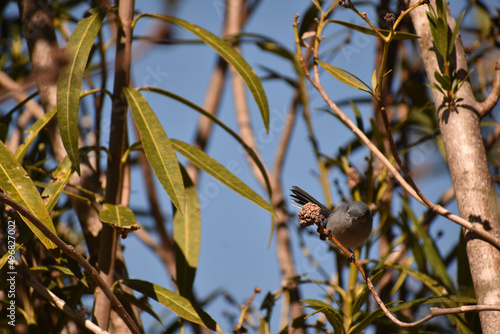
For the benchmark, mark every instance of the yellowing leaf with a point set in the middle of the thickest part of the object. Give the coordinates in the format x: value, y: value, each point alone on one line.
x: 121, y: 218
x: 157, y: 148
x: 345, y: 77
x: 180, y: 305
x: 16, y: 184
x: 219, y: 172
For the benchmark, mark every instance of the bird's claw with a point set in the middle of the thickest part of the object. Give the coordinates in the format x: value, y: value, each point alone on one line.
x: 351, y: 258
x: 322, y: 235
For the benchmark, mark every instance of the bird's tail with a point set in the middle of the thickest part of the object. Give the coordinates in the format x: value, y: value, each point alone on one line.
x: 302, y: 197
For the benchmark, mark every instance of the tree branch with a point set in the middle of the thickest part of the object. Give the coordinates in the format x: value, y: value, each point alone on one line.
x: 485, y: 107
x: 117, y: 144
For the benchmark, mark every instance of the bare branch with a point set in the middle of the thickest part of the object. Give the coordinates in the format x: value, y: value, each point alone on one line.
x: 485, y: 107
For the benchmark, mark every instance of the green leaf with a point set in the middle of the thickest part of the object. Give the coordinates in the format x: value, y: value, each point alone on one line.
x: 464, y: 80
x: 357, y: 114
x: 16, y: 184
x: 143, y: 305
x: 374, y: 80
x: 333, y: 316
x: 455, y: 33
x: 157, y: 148
x: 443, y: 80
x: 121, y: 218
x: 434, y: 259
x: 69, y: 84
x: 17, y: 245
x: 398, y: 35
x: 180, y: 305
x: 219, y: 172
x: 345, y: 77
x: 436, y: 87
x: 232, y: 57
x: 441, y: 9
x: 361, y: 298
x: 187, y: 238
x: 214, y: 119
x: 442, y: 38
x: 369, y: 319
x: 60, y: 178
x: 268, y: 44
x: 439, y: 32
x: 33, y: 133
x: 46, y: 269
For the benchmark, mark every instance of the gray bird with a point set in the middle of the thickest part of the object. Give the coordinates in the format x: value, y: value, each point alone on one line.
x: 349, y: 223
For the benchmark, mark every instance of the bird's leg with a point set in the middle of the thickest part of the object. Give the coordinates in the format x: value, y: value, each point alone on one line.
x: 323, y: 232
x: 351, y: 258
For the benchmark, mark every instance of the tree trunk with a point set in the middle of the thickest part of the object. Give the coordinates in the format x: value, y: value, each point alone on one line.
x: 466, y: 157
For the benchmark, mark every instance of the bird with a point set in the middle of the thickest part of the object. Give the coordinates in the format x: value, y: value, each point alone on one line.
x: 350, y: 223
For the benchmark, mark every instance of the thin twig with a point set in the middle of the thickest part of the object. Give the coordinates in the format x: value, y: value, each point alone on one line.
x: 239, y: 328
x: 72, y: 253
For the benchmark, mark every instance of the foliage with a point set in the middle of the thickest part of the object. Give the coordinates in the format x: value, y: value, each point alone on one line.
x: 404, y: 259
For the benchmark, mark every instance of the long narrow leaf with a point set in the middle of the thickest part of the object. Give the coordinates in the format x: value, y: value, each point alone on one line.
x: 174, y: 302
x: 345, y: 77
x: 157, y: 148
x: 399, y: 35
x: 60, y: 178
x: 69, y: 84
x: 232, y: 57
x: 219, y: 172
x: 33, y: 132
x: 16, y: 184
x: 455, y: 33
x: 333, y: 316
x: 434, y: 259
x: 187, y: 238
x: 358, y: 328
x: 140, y: 303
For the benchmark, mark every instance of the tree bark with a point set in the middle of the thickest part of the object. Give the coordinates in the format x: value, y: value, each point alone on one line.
x: 468, y: 165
